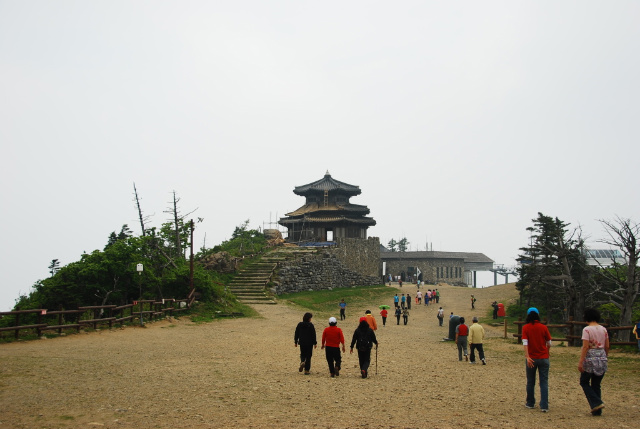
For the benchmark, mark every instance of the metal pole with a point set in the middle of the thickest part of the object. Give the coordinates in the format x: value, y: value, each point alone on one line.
x: 191, y: 260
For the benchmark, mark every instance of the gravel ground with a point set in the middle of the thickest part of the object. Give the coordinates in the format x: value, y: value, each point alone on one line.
x: 244, y: 373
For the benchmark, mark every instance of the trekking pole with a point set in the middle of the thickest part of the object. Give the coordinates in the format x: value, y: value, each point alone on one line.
x: 376, y: 359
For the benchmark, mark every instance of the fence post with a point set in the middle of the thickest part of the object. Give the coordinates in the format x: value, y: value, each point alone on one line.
x: 505, y: 328
x: 571, y: 325
x: 17, y: 324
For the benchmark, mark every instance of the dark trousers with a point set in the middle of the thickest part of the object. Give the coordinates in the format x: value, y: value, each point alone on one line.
x: 473, y: 348
x: 406, y: 319
x: 384, y: 321
x: 409, y: 304
x: 590, y: 384
x: 334, y: 358
x: 305, y: 356
x: 364, y: 358
x: 342, y: 316
x: 398, y: 317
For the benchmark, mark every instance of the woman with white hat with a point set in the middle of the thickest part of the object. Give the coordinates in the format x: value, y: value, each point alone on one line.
x: 332, y: 337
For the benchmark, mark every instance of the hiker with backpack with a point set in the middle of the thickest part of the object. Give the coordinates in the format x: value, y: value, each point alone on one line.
x: 363, y: 339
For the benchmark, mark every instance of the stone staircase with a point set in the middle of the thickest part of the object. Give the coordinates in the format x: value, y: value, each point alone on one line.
x: 250, y: 285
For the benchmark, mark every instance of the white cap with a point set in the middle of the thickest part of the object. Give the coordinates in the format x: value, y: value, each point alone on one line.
x: 332, y: 320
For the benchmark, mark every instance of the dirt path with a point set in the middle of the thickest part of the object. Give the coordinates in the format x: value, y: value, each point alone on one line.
x: 243, y: 373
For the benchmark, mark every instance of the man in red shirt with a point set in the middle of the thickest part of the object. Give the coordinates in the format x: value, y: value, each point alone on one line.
x: 537, y: 341
x: 332, y: 337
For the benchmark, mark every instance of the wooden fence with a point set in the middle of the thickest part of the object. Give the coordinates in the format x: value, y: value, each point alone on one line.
x: 95, y: 315
x: 572, y: 328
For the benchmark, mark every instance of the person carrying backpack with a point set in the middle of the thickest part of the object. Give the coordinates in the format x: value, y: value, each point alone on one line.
x: 363, y: 339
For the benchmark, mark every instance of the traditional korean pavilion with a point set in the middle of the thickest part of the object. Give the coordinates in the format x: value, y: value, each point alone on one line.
x: 327, y: 213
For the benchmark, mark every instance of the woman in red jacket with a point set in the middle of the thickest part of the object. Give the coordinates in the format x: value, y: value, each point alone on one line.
x: 332, y: 337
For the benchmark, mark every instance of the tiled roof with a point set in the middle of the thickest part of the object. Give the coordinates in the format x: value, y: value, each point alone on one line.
x: 466, y: 256
x: 327, y: 183
x: 327, y: 219
x: 315, y: 207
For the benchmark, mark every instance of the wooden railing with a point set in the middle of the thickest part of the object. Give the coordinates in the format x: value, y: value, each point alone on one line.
x: 575, y: 327
x: 94, y: 315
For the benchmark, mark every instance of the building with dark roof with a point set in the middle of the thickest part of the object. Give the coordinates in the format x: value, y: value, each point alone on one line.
x: 327, y: 213
x: 457, y: 268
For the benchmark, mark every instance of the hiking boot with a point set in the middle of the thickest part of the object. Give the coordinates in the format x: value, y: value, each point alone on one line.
x: 307, y: 373
x: 531, y: 407
x: 364, y: 373
x: 332, y: 375
x: 466, y: 358
x: 337, y: 371
x: 301, y: 366
x: 598, y: 408
x: 484, y: 362
x: 545, y: 410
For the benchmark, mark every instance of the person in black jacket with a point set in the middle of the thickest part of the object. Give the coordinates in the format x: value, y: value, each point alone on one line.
x: 364, y: 338
x: 305, y: 336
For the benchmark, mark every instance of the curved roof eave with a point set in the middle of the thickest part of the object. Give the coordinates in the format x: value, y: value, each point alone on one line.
x: 327, y: 183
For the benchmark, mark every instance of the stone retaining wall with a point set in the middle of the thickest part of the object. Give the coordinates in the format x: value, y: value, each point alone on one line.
x: 352, y: 262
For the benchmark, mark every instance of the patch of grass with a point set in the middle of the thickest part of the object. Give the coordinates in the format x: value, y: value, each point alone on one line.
x: 206, y: 312
x: 325, y: 302
x: 66, y: 417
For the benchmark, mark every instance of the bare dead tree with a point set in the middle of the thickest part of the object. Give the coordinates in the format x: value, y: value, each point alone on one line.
x: 177, y: 220
x: 143, y: 219
x: 623, y: 234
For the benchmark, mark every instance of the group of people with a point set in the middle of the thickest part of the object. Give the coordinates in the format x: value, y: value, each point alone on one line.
x: 363, y: 339
x: 592, y: 365
x: 472, y: 336
x: 536, y: 339
x: 432, y: 296
x: 404, y: 300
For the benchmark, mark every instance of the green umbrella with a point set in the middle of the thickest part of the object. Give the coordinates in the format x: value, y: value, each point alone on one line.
x: 384, y: 307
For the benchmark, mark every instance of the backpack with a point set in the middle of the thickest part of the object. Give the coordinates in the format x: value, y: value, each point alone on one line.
x: 364, y: 340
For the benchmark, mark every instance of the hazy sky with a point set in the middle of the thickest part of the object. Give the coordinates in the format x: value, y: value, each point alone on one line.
x: 459, y: 121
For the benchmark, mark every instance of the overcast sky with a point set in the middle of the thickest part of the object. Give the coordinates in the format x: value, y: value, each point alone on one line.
x: 460, y: 121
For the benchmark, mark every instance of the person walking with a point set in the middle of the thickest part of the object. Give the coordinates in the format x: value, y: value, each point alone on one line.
x: 440, y: 316
x: 437, y: 296
x: 473, y: 302
x: 305, y: 337
x: 343, y: 307
x: 403, y: 301
x: 427, y: 296
x: 419, y: 298
x: 462, y: 332
x: 476, y: 336
x: 332, y: 337
x: 363, y: 338
x: 494, y: 304
x: 396, y: 301
x: 409, y: 301
x: 398, y: 314
x: 371, y: 320
x: 384, y: 313
x: 593, y: 359
x: 536, y: 340
x: 405, y: 315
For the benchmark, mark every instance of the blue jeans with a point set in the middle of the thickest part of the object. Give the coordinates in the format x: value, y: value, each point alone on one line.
x: 542, y: 366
